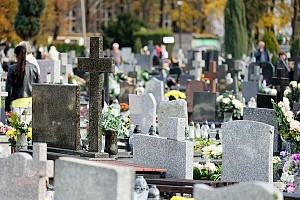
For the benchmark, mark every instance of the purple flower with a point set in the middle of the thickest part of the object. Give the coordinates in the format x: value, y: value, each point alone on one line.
x: 291, y: 184
x: 296, y: 158
x: 283, y: 153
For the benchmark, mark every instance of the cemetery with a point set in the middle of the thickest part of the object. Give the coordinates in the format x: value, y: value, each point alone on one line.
x: 160, y: 116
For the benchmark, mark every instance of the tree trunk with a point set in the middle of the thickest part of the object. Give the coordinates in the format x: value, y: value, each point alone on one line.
x: 161, y: 18
x: 295, y: 17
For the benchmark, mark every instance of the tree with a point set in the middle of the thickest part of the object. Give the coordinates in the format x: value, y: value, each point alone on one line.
x: 122, y: 30
x: 8, y: 10
x: 236, y: 38
x: 27, y: 21
x: 295, y: 47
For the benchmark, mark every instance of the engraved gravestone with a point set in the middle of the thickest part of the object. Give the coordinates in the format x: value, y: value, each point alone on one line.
x: 96, y: 65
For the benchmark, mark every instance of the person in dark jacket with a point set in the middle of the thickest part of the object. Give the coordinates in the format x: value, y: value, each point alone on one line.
x: 19, y: 82
x: 262, y: 54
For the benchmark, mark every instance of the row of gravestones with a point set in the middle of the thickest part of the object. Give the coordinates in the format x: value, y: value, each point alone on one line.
x: 24, y: 178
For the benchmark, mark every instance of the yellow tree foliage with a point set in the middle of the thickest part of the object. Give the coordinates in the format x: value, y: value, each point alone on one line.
x: 8, y: 10
x: 280, y: 17
x: 47, y: 24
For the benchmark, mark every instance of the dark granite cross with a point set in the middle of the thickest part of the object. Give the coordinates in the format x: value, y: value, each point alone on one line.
x: 212, y: 74
x: 96, y: 64
x: 280, y: 83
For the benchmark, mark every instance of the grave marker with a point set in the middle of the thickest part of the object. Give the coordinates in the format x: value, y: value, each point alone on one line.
x: 247, y: 151
x: 280, y: 82
x: 96, y: 65
x: 142, y: 111
x: 50, y: 71
x: 156, y: 87
x: 66, y: 69
x: 24, y: 177
x: 126, y: 89
x: 204, y: 106
x: 212, y: 74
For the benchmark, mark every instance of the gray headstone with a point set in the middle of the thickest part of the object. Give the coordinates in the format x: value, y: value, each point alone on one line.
x: 250, y: 89
x: 168, y: 109
x: 246, y: 191
x: 56, y: 115
x: 144, y: 61
x: 247, y: 151
x: 50, y: 71
x: 66, y: 69
x: 126, y: 53
x: 156, y: 87
x: 24, y: 177
x: 176, y: 128
x: 267, y: 69
x: 159, y: 152
x: 204, y: 106
x: 82, y: 179
x: 185, y: 78
x: 266, y: 116
x: 142, y: 111
x: 125, y: 90
x: 96, y: 64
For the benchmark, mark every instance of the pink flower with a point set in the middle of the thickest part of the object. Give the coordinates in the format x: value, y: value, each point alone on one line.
x: 290, y: 189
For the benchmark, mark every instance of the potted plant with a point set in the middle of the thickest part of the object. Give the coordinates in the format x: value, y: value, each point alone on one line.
x: 112, y: 127
x: 229, y: 106
x: 266, y: 93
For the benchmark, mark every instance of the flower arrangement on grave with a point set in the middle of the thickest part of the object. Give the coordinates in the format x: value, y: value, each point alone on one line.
x: 289, y: 127
x: 208, y: 148
x: 110, y: 122
x: 292, y: 93
x: 180, y: 198
x: 207, y: 171
x: 74, y: 79
x: 144, y: 74
x: 228, y: 103
x: 114, y: 87
x: 175, y: 94
x: 124, y: 107
x: 267, y: 89
x: 276, y: 161
x: 17, y: 128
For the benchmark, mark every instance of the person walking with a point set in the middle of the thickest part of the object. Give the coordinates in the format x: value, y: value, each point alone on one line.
x: 29, y: 56
x: 19, y: 82
x: 262, y: 54
x: 117, y: 55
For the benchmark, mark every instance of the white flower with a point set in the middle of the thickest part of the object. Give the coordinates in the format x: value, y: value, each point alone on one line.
x: 237, y: 103
x: 230, y: 96
x: 293, y: 84
x: 289, y: 116
x: 286, y: 104
x: 219, y: 150
x: 226, y: 100
x: 298, y: 86
x: 209, y: 150
x: 286, y: 92
x: 210, y: 166
x: 280, y: 104
x: 198, y: 165
x: 273, y: 92
x: 283, y: 177
x: 276, y: 159
x: 295, y: 125
x: 219, y: 98
x: 1, y: 124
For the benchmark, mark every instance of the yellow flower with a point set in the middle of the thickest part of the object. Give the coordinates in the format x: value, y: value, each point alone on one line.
x: 30, y: 130
x: 29, y: 135
x: 10, y: 132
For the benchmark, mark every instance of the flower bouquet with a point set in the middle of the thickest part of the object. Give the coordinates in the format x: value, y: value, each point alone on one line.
x: 264, y: 89
x: 228, y: 103
x: 289, y: 127
x: 175, y: 94
x: 208, y: 171
x: 293, y: 93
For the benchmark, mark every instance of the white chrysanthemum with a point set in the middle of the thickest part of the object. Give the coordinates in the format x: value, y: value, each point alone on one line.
x: 293, y: 84
x: 286, y: 103
x: 286, y: 92
x: 209, y: 150
x: 273, y: 92
x: 295, y: 125
x: 276, y: 159
x: 219, y: 150
x: 226, y: 100
x: 219, y: 98
x: 210, y: 166
x: 289, y: 116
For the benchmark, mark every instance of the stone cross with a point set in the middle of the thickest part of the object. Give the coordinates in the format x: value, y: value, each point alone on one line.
x: 198, y: 63
x: 257, y: 74
x: 66, y: 69
x: 212, y: 74
x: 96, y: 64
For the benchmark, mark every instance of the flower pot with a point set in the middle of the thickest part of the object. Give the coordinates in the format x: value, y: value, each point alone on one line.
x: 111, y: 142
x: 21, y: 141
x: 227, y: 116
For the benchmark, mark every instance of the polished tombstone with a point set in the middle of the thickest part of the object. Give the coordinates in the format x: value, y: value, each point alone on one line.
x: 204, y: 106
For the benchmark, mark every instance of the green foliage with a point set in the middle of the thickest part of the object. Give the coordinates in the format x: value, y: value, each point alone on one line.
x: 137, y: 45
x: 271, y: 44
x: 209, y: 171
x: 27, y: 20
x: 121, y: 31
x: 295, y: 47
x: 63, y: 47
x: 155, y: 35
x: 236, y: 37
x: 110, y: 122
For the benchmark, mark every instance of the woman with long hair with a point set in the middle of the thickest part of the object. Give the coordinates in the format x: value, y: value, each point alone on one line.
x: 19, y: 82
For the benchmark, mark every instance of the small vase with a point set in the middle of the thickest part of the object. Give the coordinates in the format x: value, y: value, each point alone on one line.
x: 227, y: 116
x: 21, y: 142
x: 111, y: 143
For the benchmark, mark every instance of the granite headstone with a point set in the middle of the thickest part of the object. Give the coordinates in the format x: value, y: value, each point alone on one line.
x: 50, y: 71
x: 81, y: 179
x: 142, y: 111
x: 247, y: 151
x: 204, y: 106
x: 56, y: 115
x: 156, y: 87
x: 246, y: 191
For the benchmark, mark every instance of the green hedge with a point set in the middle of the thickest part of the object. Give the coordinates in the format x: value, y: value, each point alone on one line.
x: 295, y: 46
x: 144, y: 35
x: 63, y: 47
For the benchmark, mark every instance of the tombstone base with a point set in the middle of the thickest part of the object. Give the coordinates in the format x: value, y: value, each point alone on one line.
x: 94, y: 154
